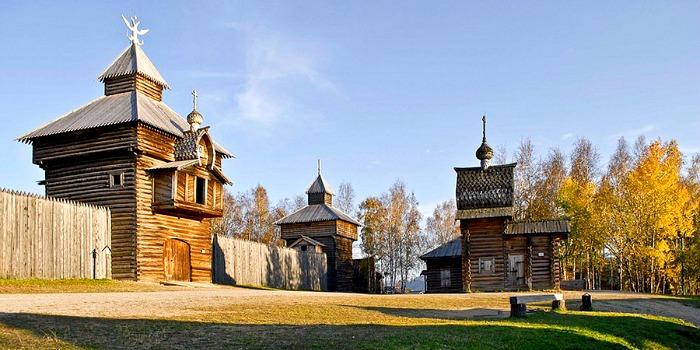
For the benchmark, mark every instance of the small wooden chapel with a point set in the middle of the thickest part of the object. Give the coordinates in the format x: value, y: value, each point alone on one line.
x: 325, y: 228
x: 494, y: 251
x: 159, y: 173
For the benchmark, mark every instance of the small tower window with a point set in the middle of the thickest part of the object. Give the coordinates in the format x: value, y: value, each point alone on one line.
x: 116, y: 180
x: 200, y: 190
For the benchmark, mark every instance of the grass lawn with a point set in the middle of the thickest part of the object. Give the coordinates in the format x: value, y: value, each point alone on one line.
x: 33, y: 285
x: 268, y: 319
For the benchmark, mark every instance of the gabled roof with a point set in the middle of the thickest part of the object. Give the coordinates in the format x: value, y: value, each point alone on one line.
x: 133, y: 61
x: 319, y: 185
x: 538, y: 227
x: 111, y: 110
x: 450, y: 249
x: 308, y: 240
x: 316, y: 213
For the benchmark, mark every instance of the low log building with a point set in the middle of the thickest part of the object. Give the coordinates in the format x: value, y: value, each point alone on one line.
x: 160, y: 175
x: 333, y: 230
x: 494, y: 252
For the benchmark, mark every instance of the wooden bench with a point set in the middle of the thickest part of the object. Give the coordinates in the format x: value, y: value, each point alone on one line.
x: 518, y: 304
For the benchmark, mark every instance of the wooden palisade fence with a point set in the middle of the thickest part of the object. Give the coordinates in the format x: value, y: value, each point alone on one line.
x: 52, y: 238
x: 244, y: 262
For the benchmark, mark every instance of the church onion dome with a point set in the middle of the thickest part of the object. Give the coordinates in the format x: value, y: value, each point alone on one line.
x: 195, y: 119
x: 484, y: 151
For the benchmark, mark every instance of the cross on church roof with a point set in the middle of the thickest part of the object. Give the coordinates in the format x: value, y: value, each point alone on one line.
x: 194, y: 99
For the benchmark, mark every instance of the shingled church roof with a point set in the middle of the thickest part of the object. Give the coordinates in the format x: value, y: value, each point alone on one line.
x: 319, y: 185
x: 111, y: 110
x: 485, y: 192
x: 316, y: 213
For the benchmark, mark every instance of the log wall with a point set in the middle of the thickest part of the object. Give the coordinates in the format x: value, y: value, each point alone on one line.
x: 81, y: 173
x: 485, y: 241
x: 434, y: 278
x: 53, y: 239
x: 155, y: 228
x: 338, y: 248
x: 250, y: 263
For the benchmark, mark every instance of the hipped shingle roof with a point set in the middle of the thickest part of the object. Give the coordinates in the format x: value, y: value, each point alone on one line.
x: 316, y: 213
x: 111, y: 110
x: 133, y: 61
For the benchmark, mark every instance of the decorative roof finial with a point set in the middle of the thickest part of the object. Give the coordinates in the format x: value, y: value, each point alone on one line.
x: 319, y: 167
x: 195, y: 119
x: 134, y: 28
x: 484, y: 153
x: 194, y: 99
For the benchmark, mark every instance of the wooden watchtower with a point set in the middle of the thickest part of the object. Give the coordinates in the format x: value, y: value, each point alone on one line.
x: 158, y: 173
x: 327, y: 225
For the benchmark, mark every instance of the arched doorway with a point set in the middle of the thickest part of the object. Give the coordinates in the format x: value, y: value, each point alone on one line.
x: 176, y: 260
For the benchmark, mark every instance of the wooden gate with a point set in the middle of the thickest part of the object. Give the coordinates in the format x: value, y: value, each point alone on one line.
x: 516, y: 271
x: 176, y: 260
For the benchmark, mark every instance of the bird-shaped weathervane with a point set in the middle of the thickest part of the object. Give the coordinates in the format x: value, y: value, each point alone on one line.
x: 134, y: 28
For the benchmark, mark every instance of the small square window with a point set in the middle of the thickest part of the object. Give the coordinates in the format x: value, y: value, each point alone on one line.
x: 116, y: 180
x: 445, y: 277
x: 487, y: 265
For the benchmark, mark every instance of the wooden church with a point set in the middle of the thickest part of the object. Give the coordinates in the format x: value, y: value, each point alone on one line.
x: 160, y: 174
x: 322, y: 227
x: 494, y: 252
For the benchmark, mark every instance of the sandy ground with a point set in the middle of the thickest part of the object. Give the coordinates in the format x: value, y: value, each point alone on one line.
x: 188, y: 301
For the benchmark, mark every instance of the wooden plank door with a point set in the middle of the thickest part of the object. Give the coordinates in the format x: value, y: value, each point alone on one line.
x: 176, y: 260
x: 516, y: 270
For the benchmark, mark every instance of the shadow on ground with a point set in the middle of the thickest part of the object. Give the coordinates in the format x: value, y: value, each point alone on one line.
x: 543, y: 330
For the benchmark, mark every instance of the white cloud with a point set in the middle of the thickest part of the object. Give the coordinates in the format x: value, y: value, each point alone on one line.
x: 567, y: 136
x: 276, y: 66
x: 632, y: 133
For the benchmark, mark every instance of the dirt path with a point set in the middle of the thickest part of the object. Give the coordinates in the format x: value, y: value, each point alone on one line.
x: 188, y: 302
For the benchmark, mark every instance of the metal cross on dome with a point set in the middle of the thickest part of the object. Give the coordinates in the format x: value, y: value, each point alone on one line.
x: 134, y: 28
x: 194, y: 99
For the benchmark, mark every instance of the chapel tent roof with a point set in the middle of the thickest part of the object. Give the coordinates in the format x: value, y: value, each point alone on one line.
x: 319, y: 185
x: 450, y: 249
x: 316, y: 213
x: 115, y: 109
x: 133, y: 60
x: 485, y: 192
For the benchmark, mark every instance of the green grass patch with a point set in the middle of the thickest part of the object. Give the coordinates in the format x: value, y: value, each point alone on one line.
x: 387, y: 329
x: 35, y: 285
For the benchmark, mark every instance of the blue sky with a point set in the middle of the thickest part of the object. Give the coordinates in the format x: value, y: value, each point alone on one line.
x: 378, y: 90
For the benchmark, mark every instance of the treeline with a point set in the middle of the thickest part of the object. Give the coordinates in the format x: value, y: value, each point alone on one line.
x: 635, y: 221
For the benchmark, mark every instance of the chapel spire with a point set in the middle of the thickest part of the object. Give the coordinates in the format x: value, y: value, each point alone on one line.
x: 319, y: 192
x: 132, y: 70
